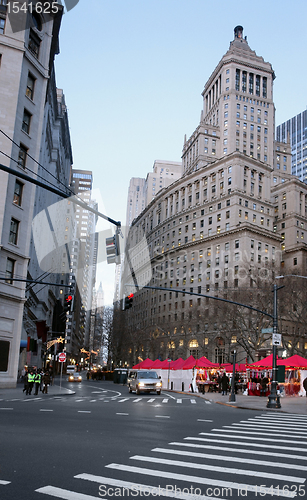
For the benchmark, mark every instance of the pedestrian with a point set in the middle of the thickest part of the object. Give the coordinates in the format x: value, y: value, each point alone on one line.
x: 46, y: 382
x: 25, y: 381
x: 30, y: 382
x: 225, y: 384
x: 305, y: 385
x: 263, y: 385
x: 37, y: 381
x: 41, y: 384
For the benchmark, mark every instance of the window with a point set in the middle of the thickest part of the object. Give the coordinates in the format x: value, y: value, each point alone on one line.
x: 18, y: 193
x: 22, y: 156
x: 30, y: 86
x: 26, y: 121
x: 2, y: 26
x: 13, y: 231
x: 34, y: 43
x: 9, y: 272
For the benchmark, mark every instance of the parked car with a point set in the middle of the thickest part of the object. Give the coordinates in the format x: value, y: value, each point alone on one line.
x: 144, y: 381
x: 74, y: 377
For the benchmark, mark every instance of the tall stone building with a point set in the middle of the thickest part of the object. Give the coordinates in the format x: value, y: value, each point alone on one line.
x: 224, y: 228
x: 27, y: 57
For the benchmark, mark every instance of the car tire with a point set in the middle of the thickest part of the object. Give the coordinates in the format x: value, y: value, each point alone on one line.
x: 158, y: 393
x: 130, y: 390
x: 137, y: 391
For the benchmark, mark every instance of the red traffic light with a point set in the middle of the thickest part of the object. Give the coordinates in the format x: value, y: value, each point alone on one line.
x: 130, y: 296
x: 68, y: 298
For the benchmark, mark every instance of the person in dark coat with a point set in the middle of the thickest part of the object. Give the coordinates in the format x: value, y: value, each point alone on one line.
x: 225, y: 384
x: 46, y: 382
x: 305, y: 385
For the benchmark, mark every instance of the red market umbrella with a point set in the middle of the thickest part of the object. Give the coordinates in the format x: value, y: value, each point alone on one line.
x: 146, y: 364
x: 204, y: 362
x: 157, y: 364
x: 295, y: 361
x: 136, y: 367
x: 177, y: 364
x: 189, y: 363
x: 264, y: 363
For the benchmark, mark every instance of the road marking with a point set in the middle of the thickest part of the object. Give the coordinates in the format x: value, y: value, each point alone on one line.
x: 229, y: 428
x: 193, y: 401
x: 268, y: 428
x: 122, y: 400
x: 122, y: 413
x: 228, y: 470
x: 84, y: 411
x: 16, y: 399
x: 201, y: 480
x: 258, y: 445
x: 6, y: 408
x: 4, y: 482
x: 151, y: 400
x: 78, y: 400
x: 240, y: 450
x: 44, y: 410
x: 276, y: 424
x: 162, y: 416
x: 203, y: 420
x: 179, y: 401
x: 142, y: 488
x: 250, y: 437
x: 64, y: 494
x: 97, y: 392
x: 208, y: 402
x: 165, y: 400
x: 93, y: 400
x: 137, y: 400
x: 229, y: 458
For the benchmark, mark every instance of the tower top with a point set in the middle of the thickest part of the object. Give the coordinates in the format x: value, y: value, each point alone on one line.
x: 238, y: 32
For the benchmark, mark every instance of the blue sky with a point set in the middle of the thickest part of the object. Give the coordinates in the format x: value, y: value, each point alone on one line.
x: 133, y: 71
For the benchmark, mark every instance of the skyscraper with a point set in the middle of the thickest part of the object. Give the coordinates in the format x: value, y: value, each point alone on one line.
x: 295, y: 132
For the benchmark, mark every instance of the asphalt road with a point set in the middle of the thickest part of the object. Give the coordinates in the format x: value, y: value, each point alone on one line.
x: 103, y: 442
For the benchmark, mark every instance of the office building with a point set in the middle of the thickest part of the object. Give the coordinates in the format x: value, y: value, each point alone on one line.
x: 224, y: 228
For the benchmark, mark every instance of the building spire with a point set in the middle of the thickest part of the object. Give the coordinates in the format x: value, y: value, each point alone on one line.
x: 238, y: 32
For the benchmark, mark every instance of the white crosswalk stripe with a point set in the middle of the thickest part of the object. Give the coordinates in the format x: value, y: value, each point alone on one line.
x: 231, y: 458
x: 179, y: 400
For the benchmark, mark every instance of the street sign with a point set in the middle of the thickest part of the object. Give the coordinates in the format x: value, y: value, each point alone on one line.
x: 267, y: 330
x: 276, y: 339
x: 62, y: 357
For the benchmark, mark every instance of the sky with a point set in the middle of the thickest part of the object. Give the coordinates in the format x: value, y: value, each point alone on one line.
x: 132, y: 72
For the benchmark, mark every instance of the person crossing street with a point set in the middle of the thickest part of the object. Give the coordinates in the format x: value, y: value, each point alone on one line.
x: 37, y: 381
x: 30, y: 384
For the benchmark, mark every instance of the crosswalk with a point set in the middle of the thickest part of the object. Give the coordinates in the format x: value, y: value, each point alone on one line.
x: 263, y: 456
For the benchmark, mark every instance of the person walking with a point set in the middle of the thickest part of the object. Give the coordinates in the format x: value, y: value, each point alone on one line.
x: 225, y: 384
x: 46, y: 382
x: 305, y: 385
x: 37, y: 381
x: 25, y: 381
x: 30, y: 383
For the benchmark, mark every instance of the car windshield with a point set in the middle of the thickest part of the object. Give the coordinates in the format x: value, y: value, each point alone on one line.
x: 147, y: 375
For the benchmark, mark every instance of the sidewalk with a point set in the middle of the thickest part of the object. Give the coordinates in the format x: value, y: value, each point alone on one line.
x: 53, y: 390
x: 289, y: 404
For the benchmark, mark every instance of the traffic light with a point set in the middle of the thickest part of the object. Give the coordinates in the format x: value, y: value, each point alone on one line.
x: 68, y: 302
x: 128, y: 301
x: 113, y: 250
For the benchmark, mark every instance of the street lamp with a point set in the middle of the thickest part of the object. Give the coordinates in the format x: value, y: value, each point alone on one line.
x: 274, y: 398
x: 232, y: 396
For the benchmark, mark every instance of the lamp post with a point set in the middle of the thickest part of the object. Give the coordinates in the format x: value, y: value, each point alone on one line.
x: 274, y: 398
x: 232, y: 396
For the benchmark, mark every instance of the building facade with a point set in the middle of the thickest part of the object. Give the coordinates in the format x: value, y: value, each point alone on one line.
x: 26, y: 63
x: 223, y: 229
